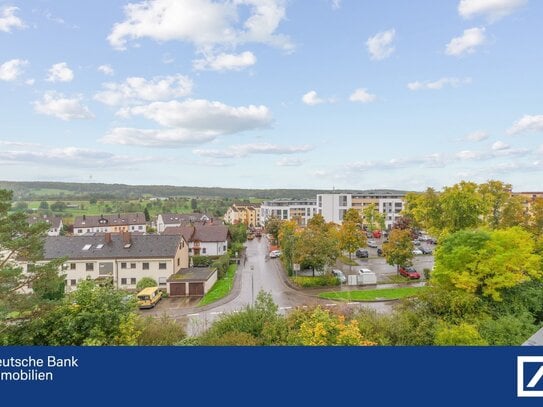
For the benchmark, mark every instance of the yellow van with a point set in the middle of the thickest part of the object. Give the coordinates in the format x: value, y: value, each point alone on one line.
x: 149, y: 297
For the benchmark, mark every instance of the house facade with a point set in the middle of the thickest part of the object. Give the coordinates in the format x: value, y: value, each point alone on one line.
x: 55, y: 223
x: 165, y: 220
x: 118, y: 223
x: 122, y: 258
x: 299, y: 210
x: 246, y: 213
x: 203, y: 240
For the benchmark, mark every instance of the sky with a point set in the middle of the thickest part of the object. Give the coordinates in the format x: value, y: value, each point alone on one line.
x: 345, y: 94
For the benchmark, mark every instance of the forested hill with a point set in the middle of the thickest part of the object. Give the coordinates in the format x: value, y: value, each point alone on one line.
x: 61, y: 190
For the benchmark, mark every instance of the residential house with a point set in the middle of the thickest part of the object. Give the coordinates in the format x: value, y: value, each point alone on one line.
x: 165, y: 220
x: 118, y: 223
x: 123, y: 258
x: 246, y: 213
x: 203, y: 240
x: 55, y: 223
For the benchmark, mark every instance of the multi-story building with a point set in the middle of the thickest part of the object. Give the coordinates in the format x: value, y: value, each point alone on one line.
x: 165, y: 220
x: 300, y: 210
x: 203, y: 240
x: 122, y: 222
x: 246, y: 213
x: 333, y: 206
x: 528, y: 198
x: 55, y: 223
x: 122, y: 258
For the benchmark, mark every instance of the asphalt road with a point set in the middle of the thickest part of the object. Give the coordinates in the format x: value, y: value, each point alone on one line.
x: 258, y: 273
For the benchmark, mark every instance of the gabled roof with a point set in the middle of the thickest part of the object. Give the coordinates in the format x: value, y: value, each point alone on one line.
x: 96, y: 247
x: 120, y: 219
x: 53, y: 221
x: 178, y: 218
x: 192, y: 274
x: 207, y: 233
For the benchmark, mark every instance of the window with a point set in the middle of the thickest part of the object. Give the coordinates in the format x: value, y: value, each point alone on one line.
x: 162, y: 280
x: 224, y: 248
x: 79, y: 230
x: 123, y: 265
x: 89, y: 266
x: 178, y: 261
x: 133, y: 281
x: 145, y: 266
x: 132, y: 265
x: 73, y: 282
x: 140, y: 227
x: 203, y: 250
x: 190, y: 250
x: 343, y: 200
x: 72, y: 266
x: 162, y: 266
x: 123, y: 281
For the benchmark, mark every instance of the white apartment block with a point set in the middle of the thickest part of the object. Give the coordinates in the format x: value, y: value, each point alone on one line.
x: 333, y: 206
x: 300, y: 210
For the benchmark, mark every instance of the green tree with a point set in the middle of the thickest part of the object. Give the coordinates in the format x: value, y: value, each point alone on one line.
x: 21, y: 206
x: 161, y: 331
x: 425, y: 211
x: 353, y: 215
x: 351, y: 237
x: 486, y: 262
x: 318, y: 245
x: 536, y: 217
x: 287, y: 242
x: 193, y: 204
x: 273, y: 225
x: 463, y: 334
x: 238, y: 233
x: 495, y: 195
x: 371, y: 216
x: 21, y: 241
x: 58, y: 206
x: 463, y: 206
x: 146, y: 214
x: 399, y: 248
x: 146, y: 282
x: 44, y: 205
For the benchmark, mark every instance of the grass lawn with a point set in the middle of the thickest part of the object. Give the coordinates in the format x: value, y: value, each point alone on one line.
x: 372, y: 295
x: 347, y: 261
x: 221, y: 288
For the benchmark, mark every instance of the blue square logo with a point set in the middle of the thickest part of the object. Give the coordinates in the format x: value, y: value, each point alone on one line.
x: 529, y: 376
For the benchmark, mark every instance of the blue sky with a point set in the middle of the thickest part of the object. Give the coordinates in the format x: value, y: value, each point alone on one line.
x: 272, y: 93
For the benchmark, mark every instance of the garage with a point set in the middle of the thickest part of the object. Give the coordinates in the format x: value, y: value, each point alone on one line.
x: 191, y: 282
x: 177, y: 289
x: 196, y: 288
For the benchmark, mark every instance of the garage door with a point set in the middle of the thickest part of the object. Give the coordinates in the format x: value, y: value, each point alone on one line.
x: 177, y: 289
x: 196, y: 288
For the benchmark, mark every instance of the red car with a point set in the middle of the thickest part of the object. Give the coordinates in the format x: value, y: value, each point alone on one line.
x: 409, y: 272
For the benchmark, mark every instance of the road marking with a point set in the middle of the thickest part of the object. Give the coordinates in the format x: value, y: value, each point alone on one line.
x: 216, y: 312
x: 283, y: 308
x: 330, y: 305
x: 192, y: 315
x: 352, y: 303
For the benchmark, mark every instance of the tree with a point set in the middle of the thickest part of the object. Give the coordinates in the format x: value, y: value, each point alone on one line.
x: 19, y: 240
x: 146, y: 214
x: 58, y: 206
x: 371, y: 216
x: 91, y: 315
x: 44, y: 205
x: 193, y: 204
x: 146, y: 282
x: 273, y: 224
x: 463, y: 334
x: 287, y: 241
x: 21, y: 206
x: 352, y: 215
x: 536, y: 218
x: 318, y: 245
x: 486, y: 262
x: 399, y: 249
x: 161, y: 331
x: 351, y: 237
x: 495, y: 196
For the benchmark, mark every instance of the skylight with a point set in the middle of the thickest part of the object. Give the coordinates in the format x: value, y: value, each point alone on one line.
x: 87, y: 247
x: 127, y: 246
x: 99, y: 246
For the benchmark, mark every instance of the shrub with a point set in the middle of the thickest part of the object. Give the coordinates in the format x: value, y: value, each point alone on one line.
x: 146, y: 282
x: 318, y: 281
x: 159, y: 331
x: 221, y: 264
x: 201, y: 261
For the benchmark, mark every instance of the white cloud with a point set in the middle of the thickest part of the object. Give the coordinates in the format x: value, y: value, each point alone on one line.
x: 60, y: 73
x: 243, y: 150
x: 64, y: 108
x: 9, y: 20
x: 72, y: 157
x: 439, y: 84
x: 12, y: 69
x: 469, y: 155
x: 336, y: 4
x: 500, y: 145
x: 477, y: 136
x: 527, y: 124
x: 311, y: 98
x: 157, y: 137
x: 205, y: 115
x: 380, y: 45
x: 362, y: 95
x: 289, y: 162
x: 136, y: 89
x: 106, y: 70
x: 225, y: 62
x: 492, y: 9
x: 470, y: 39
x: 30, y: 82
x: 205, y: 23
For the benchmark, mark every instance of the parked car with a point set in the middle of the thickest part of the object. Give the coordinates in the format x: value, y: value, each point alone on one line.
x: 425, y: 250
x: 362, y: 254
x: 379, y: 252
x: 416, y: 242
x: 340, y: 275
x: 363, y: 270
x: 372, y: 243
x: 275, y: 253
x: 409, y: 272
x: 417, y: 252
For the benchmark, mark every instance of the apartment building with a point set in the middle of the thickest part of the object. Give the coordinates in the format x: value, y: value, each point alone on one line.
x: 246, y: 213
x: 121, y: 222
x: 528, y: 198
x: 203, y: 240
x: 299, y: 210
x: 333, y: 206
x: 122, y: 258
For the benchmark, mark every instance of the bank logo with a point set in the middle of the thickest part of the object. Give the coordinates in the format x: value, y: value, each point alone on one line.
x: 529, y: 376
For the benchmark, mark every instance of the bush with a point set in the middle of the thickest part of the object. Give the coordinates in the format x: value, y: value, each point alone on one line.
x: 318, y: 281
x: 159, y: 331
x: 221, y: 264
x: 201, y: 261
x: 146, y: 282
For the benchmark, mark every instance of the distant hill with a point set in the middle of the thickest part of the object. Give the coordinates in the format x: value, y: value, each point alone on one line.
x: 84, y: 191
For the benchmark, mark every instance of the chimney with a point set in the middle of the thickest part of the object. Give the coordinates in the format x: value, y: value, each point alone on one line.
x: 107, y: 238
x: 84, y: 217
x: 127, y: 238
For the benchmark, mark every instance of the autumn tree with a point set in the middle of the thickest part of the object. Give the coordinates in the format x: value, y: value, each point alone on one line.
x: 352, y: 215
x: 536, y: 217
x: 272, y: 225
x: 399, y: 249
x: 371, y: 216
x: 287, y: 242
x: 486, y: 262
x: 351, y: 237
